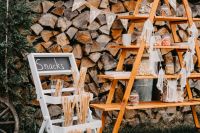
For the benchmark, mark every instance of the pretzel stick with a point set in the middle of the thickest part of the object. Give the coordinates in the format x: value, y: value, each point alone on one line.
x: 68, y: 112
x: 80, y: 83
x: 81, y: 107
x: 98, y: 130
x: 74, y: 103
x: 64, y: 109
x: 78, y: 111
x: 58, y: 88
x: 89, y: 130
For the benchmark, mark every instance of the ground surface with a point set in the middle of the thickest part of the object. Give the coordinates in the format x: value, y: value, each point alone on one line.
x: 141, y: 129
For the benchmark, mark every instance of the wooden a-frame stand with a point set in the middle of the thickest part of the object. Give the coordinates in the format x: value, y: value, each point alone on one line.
x: 130, y: 77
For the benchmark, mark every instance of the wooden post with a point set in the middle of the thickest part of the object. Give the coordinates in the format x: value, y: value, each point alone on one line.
x: 190, y: 96
x: 190, y: 21
x: 188, y: 89
x: 131, y: 27
x: 180, y: 56
x: 113, y: 85
x: 133, y: 73
x: 129, y: 87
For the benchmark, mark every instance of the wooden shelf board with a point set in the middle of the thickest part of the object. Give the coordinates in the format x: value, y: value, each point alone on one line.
x: 157, y: 18
x: 158, y: 104
x: 158, y: 47
x: 126, y: 76
x: 196, y: 99
x: 195, y: 76
x: 143, y: 105
x: 106, y: 107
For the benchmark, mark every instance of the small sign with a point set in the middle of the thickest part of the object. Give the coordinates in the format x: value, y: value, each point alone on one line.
x: 52, y: 63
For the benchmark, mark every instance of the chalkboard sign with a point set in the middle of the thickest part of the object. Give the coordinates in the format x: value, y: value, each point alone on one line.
x: 52, y: 63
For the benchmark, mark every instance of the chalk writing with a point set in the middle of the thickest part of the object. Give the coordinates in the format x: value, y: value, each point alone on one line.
x: 52, y: 63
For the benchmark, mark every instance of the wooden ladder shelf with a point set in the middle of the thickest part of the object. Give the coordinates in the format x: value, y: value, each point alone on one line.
x: 119, y: 74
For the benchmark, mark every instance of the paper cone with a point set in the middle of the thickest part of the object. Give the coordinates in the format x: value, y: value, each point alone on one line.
x: 110, y: 18
x: 94, y: 12
x: 77, y: 4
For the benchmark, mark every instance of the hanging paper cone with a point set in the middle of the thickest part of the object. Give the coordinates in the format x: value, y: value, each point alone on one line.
x: 152, y: 42
x: 173, y: 4
x: 191, y: 42
x: 147, y: 31
x: 160, y: 82
x: 188, y: 58
x: 104, y: 4
x: 94, y: 12
x: 124, y: 21
x: 110, y: 18
x: 183, y: 80
x: 77, y: 4
x: 193, y: 30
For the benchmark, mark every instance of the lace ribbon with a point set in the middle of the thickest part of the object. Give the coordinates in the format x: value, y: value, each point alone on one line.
x: 159, y: 84
x: 171, y: 91
x: 183, y: 78
x: 147, y: 31
x: 188, y: 58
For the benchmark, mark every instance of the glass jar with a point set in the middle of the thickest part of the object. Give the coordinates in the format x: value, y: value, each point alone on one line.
x: 158, y: 39
x: 180, y: 94
x: 166, y: 40
x: 134, y: 98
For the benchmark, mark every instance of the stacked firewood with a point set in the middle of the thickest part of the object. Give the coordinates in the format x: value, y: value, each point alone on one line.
x: 57, y: 28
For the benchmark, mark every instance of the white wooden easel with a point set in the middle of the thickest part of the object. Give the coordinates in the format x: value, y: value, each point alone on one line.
x: 45, y: 99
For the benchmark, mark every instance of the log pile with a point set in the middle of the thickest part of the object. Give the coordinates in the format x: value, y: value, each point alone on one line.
x: 58, y: 29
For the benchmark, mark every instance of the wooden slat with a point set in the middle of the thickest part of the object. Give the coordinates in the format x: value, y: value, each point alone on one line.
x: 63, y: 90
x: 106, y: 107
x: 64, y: 72
x: 157, y: 18
x: 196, y: 99
x: 143, y: 105
x: 126, y: 76
x: 93, y: 124
x: 58, y: 100
x: 148, y: 105
x: 174, y: 46
x: 194, y: 76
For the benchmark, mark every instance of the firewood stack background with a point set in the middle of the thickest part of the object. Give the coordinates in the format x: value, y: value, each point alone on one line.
x: 57, y: 29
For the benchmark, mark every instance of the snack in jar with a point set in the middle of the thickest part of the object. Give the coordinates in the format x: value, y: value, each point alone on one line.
x: 134, y: 98
x: 166, y: 40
